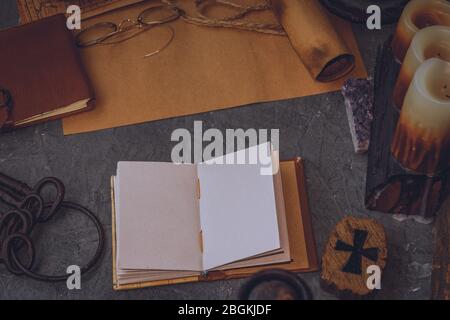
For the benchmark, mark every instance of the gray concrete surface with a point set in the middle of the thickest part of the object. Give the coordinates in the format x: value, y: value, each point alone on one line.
x: 313, y: 127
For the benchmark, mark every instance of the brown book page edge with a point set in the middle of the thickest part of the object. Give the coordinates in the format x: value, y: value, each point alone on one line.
x: 89, y: 105
x: 244, y: 272
x: 311, y: 246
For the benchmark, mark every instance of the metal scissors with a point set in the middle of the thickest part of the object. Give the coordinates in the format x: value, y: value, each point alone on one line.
x: 29, y: 209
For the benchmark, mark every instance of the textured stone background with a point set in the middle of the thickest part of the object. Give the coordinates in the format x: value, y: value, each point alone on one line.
x: 313, y: 127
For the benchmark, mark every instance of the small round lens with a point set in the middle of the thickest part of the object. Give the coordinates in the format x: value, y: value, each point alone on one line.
x: 157, y: 15
x: 95, y: 34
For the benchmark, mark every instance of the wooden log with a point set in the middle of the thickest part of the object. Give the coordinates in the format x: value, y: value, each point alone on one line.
x: 440, y: 281
x: 389, y: 187
x: 353, y: 246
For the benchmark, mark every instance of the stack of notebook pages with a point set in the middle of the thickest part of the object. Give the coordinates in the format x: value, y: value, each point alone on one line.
x: 192, y: 222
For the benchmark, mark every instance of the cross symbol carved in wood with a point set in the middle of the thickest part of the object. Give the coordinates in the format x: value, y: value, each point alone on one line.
x: 357, y: 250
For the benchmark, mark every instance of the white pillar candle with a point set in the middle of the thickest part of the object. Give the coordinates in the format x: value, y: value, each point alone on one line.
x: 418, y: 14
x: 421, y: 141
x: 427, y: 43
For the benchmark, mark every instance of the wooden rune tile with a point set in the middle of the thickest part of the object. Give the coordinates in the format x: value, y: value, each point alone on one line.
x: 353, y: 246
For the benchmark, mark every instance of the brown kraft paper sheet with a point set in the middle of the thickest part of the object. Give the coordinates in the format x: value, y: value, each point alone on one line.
x: 203, y: 69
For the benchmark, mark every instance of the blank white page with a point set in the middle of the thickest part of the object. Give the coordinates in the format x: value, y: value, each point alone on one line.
x: 157, y: 213
x: 237, y: 213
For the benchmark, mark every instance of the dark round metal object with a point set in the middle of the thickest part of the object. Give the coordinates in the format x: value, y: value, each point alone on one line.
x: 356, y: 11
x: 275, y: 284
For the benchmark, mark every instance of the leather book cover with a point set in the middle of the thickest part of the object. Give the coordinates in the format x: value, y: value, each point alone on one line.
x: 42, y: 71
x: 300, y: 232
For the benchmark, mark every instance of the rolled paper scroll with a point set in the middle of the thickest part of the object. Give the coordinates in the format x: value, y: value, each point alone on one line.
x: 421, y: 141
x: 427, y: 43
x: 418, y: 14
x: 314, y: 38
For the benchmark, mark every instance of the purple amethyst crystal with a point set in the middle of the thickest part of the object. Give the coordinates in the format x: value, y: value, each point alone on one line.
x: 359, y: 103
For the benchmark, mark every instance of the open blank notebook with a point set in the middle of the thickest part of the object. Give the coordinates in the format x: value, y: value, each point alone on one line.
x: 179, y: 220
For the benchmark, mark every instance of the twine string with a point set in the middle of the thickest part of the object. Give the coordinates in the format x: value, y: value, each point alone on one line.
x: 233, y: 21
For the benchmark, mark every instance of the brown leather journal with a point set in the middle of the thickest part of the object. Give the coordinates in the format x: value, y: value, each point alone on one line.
x: 41, y: 73
x: 302, y: 249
